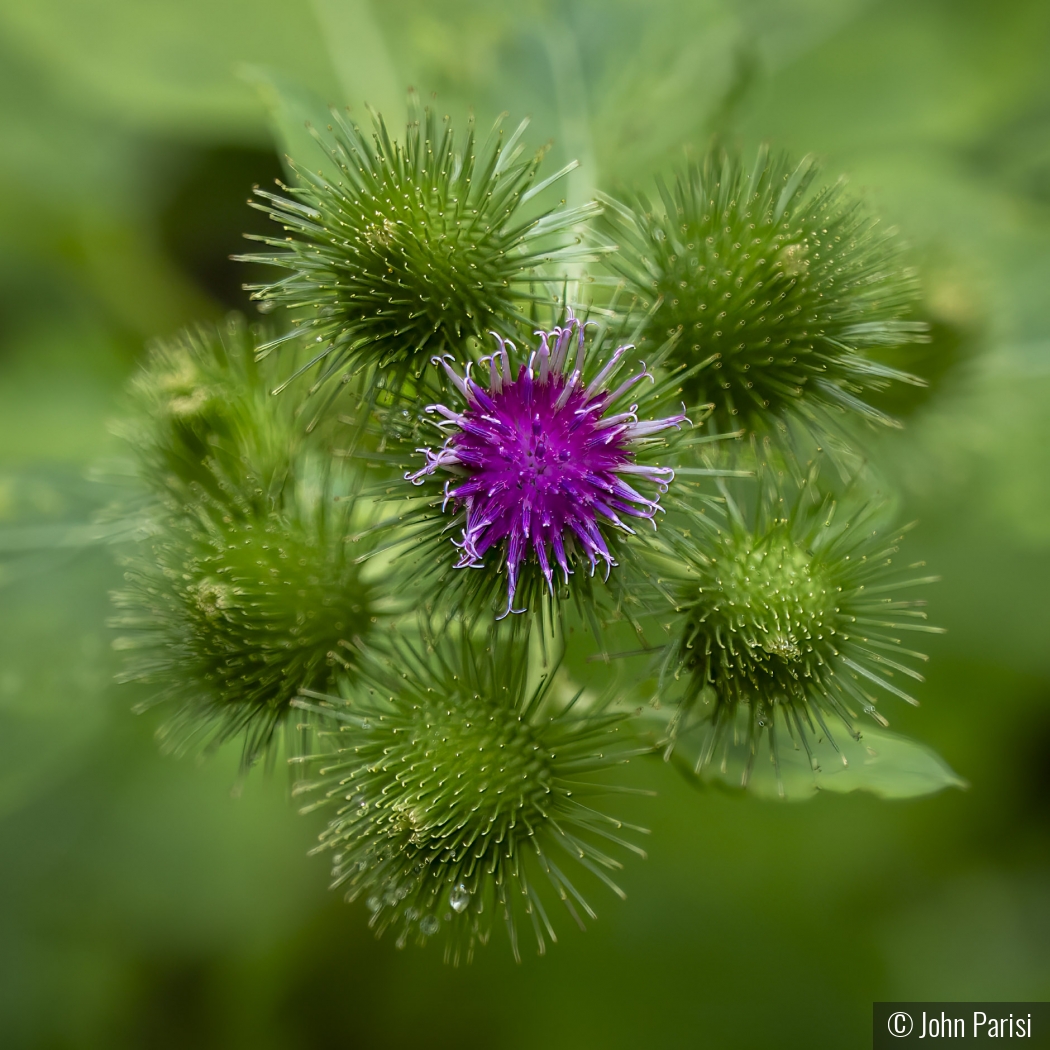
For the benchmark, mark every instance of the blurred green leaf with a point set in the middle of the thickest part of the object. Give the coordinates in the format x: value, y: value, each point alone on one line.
x: 294, y: 110
x: 361, y: 58
x: 882, y: 763
x: 52, y: 711
x: 171, y: 66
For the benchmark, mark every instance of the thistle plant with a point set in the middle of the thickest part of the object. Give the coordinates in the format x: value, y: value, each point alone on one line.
x: 402, y: 593
x: 458, y: 787
x: 774, y: 287
x: 415, y: 248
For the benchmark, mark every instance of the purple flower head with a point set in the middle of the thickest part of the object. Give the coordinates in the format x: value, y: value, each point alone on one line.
x: 538, y: 460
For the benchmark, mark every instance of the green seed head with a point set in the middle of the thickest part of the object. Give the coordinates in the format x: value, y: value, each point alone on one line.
x: 456, y: 795
x: 413, y: 248
x: 789, y: 604
x: 202, y: 417
x: 763, y: 621
x: 773, y: 289
x: 247, y: 587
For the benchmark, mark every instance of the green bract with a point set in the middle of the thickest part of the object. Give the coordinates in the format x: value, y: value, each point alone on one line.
x: 248, y: 587
x: 789, y: 604
x: 415, y: 247
x: 773, y: 287
x: 457, y: 788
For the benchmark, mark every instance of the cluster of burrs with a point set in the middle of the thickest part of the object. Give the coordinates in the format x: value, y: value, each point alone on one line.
x: 387, y: 560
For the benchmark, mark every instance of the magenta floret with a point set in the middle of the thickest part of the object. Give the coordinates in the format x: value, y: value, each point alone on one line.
x: 537, y: 463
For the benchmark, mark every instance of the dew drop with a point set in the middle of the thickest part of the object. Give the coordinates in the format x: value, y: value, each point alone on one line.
x: 429, y: 925
x: 459, y: 898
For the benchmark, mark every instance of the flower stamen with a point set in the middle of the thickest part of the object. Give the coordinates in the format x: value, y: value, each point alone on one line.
x: 541, y: 461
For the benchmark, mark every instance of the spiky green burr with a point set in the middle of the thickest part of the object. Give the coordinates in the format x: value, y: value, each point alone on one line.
x: 791, y: 606
x: 201, y: 417
x: 414, y: 247
x: 773, y: 286
x: 457, y: 788
x: 247, y: 586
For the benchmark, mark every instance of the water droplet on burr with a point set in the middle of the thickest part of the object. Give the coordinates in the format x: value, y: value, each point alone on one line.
x: 459, y: 898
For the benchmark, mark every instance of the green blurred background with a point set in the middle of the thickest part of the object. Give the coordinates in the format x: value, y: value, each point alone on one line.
x: 143, y: 903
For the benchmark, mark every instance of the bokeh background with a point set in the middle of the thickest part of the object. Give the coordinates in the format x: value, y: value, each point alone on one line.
x: 143, y: 901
